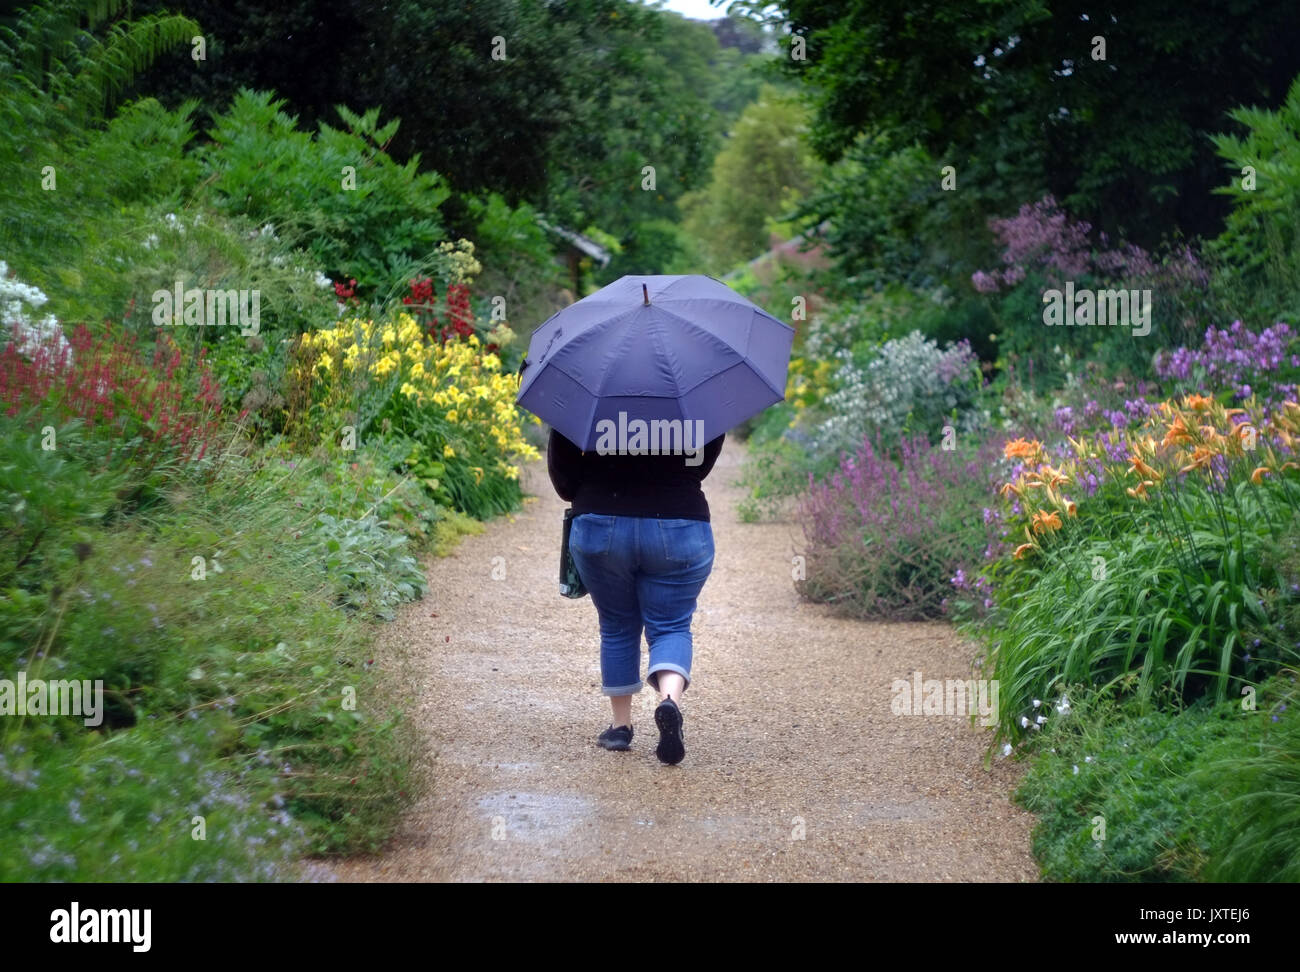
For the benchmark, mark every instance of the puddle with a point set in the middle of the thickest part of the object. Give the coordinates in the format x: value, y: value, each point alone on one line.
x: 534, y: 816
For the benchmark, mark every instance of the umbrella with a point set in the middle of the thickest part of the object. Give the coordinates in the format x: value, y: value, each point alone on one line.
x: 648, y: 349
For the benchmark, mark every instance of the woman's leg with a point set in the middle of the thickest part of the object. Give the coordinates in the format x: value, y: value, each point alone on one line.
x: 622, y: 706
x: 677, y: 560
x: 670, y: 686
x: 601, y: 547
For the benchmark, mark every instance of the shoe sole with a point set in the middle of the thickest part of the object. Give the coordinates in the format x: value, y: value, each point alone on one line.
x: 671, y: 749
x: 614, y: 748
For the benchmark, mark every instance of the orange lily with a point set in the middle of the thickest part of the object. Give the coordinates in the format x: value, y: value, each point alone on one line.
x: 1021, y: 449
x: 1178, y: 433
x: 1143, y: 469
x: 1201, y: 457
x: 1046, y: 521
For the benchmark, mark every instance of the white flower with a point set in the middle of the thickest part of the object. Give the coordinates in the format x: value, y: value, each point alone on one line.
x: 29, y: 335
x: 1006, y: 749
x: 150, y: 241
x: 1024, y: 722
x: 1041, y: 719
x: 322, y: 280
x: 1037, y: 703
x: 268, y: 230
x: 1076, y: 769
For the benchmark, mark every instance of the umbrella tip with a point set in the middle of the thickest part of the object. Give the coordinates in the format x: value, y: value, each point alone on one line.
x: 646, y: 292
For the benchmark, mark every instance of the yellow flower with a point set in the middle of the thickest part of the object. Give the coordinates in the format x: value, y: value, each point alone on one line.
x: 453, y: 416
x: 448, y: 452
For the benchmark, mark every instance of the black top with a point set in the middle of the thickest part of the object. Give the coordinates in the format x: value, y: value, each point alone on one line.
x: 660, y: 486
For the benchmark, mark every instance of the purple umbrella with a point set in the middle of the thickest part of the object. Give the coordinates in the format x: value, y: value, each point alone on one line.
x: 652, y: 349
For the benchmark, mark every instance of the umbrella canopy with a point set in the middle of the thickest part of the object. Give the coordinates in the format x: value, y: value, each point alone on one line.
x: 653, y: 348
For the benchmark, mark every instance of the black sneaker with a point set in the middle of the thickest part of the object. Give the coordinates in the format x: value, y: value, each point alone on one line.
x: 616, y: 738
x: 668, y: 717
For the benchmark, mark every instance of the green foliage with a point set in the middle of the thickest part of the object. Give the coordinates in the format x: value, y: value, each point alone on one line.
x: 517, y: 257
x: 84, y: 74
x: 246, y: 644
x: 1118, y: 791
x: 1011, y: 94
x: 765, y: 168
x: 889, y: 219
x: 383, y: 232
x: 654, y: 246
x: 1260, y: 243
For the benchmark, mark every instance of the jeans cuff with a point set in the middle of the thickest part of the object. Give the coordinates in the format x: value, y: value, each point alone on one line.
x: 622, y: 689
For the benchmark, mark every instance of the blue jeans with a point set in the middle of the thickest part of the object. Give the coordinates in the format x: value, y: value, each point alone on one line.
x: 642, y: 571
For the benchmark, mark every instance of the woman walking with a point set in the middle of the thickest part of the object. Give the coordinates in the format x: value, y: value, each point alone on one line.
x: 643, y: 544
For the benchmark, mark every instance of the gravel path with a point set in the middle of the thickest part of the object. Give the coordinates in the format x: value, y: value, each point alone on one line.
x: 789, y: 732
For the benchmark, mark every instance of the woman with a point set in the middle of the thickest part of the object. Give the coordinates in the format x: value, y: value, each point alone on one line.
x: 643, y: 545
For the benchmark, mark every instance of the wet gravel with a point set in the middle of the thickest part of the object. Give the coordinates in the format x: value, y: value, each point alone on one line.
x: 796, y: 767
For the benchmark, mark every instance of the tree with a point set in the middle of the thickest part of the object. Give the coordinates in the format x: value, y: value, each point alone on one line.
x: 1024, y: 99
x: 763, y: 170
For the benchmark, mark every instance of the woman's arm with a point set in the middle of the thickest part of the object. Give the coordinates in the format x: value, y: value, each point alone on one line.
x: 564, y: 463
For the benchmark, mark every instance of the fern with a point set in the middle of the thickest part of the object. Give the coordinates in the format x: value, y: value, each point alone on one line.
x: 52, y: 50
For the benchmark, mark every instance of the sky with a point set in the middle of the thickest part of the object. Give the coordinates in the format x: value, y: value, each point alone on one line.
x: 696, y: 9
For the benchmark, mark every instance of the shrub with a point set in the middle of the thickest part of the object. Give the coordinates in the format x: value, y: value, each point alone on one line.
x: 1259, y: 246
x: 1118, y: 790
x: 151, y: 410
x: 1043, y: 247
x: 910, y: 385
x: 382, y: 228
x: 449, y: 403
x: 1163, y: 580
x: 886, y: 537
x: 1247, y: 363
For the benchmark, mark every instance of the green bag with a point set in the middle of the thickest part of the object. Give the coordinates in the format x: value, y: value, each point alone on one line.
x: 571, y: 584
